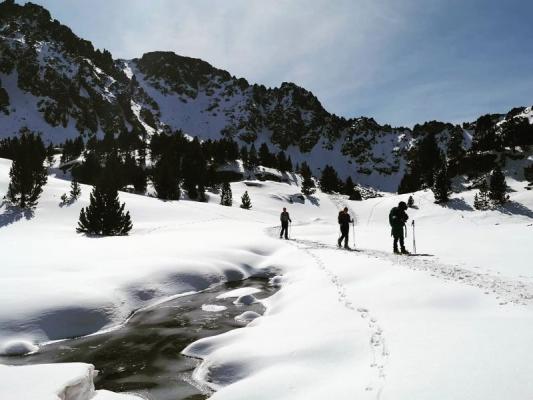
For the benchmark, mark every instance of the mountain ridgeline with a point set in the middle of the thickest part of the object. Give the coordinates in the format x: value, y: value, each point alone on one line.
x: 55, y: 83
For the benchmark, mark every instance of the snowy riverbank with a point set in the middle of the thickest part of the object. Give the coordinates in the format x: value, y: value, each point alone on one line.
x: 365, y: 324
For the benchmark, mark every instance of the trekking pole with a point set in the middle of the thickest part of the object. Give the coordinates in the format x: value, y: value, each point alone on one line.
x: 290, y: 229
x: 414, y: 240
x: 353, y: 229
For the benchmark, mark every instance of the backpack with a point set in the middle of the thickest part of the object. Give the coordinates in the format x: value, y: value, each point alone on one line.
x: 392, y: 216
x: 339, y: 217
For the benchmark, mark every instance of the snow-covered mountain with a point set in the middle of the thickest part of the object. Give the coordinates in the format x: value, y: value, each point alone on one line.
x: 56, y: 83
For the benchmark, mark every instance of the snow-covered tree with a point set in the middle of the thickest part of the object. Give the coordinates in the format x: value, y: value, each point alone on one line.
x: 245, y: 201
x: 226, y: 197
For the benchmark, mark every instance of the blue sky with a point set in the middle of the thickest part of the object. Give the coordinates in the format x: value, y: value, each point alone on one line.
x: 399, y: 61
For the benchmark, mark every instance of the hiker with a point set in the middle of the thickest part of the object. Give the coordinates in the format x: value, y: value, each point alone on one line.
x: 344, y: 221
x: 410, y: 202
x: 285, y: 219
x: 397, y: 219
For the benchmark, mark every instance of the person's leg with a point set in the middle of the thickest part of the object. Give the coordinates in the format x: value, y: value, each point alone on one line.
x: 286, y: 228
x: 395, y: 244
x: 282, y: 229
x: 345, y: 236
x: 402, y: 246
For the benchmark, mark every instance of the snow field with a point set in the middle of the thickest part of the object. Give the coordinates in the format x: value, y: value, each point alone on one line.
x: 344, y: 325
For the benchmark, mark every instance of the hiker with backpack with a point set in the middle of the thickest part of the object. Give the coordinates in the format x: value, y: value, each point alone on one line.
x: 397, y: 219
x: 344, y: 220
x: 285, y: 219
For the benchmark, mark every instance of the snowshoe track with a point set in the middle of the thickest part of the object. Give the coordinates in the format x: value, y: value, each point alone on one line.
x: 377, y: 343
x: 505, y: 290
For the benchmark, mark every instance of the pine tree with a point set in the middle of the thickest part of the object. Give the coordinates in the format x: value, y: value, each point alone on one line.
x: 289, y: 165
x: 498, y: 187
x: 245, y: 201
x: 194, y: 170
x: 75, y: 190
x: 481, y: 199
x: 265, y: 156
x: 308, y: 184
x: 244, y: 155
x: 281, y: 161
x: 350, y: 190
x: 411, y: 181
x: 226, y: 197
x: 329, y: 181
x: 105, y: 215
x: 28, y: 173
x: 428, y: 159
x: 441, y: 185
x: 253, y: 160
x: 50, y: 151
x: 165, y: 176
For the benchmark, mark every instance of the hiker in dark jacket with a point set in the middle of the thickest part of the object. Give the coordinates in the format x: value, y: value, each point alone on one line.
x: 344, y: 222
x: 397, y: 219
x: 285, y: 219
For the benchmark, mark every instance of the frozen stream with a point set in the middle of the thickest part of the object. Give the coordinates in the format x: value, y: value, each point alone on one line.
x: 144, y: 356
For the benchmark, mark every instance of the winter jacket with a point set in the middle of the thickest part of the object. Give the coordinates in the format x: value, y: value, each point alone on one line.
x: 397, y: 220
x: 284, y: 217
x: 344, y: 220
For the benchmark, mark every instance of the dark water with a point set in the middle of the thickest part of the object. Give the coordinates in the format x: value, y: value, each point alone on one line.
x: 144, y: 355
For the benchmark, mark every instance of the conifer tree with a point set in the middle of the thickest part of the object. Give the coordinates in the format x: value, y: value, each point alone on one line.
x: 308, y: 184
x: 28, y: 173
x: 481, y: 199
x: 50, y: 151
x: 253, y: 160
x: 244, y: 155
x: 498, y: 187
x: 194, y: 171
x: 265, y: 157
x: 75, y: 190
x: 441, y: 185
x: 226, y: 197
x: 427, y: 160
x: 281, y: 161
x: 105, y: 215
x: 289, y: 164
x: 165, y: 176
x: 329, y: 181
x: 351, y: 191
x: 245, y: 201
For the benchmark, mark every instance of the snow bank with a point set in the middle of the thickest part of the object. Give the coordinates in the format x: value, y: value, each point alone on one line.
x: 17, y: 347
x: 247, y: 317
x: 72, y: 381
x: 245, y: 300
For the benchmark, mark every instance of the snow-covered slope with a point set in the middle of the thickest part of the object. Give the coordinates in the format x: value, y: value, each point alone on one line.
x: 72, y: 381
x: 53, y: 82
x: 368, y: 324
